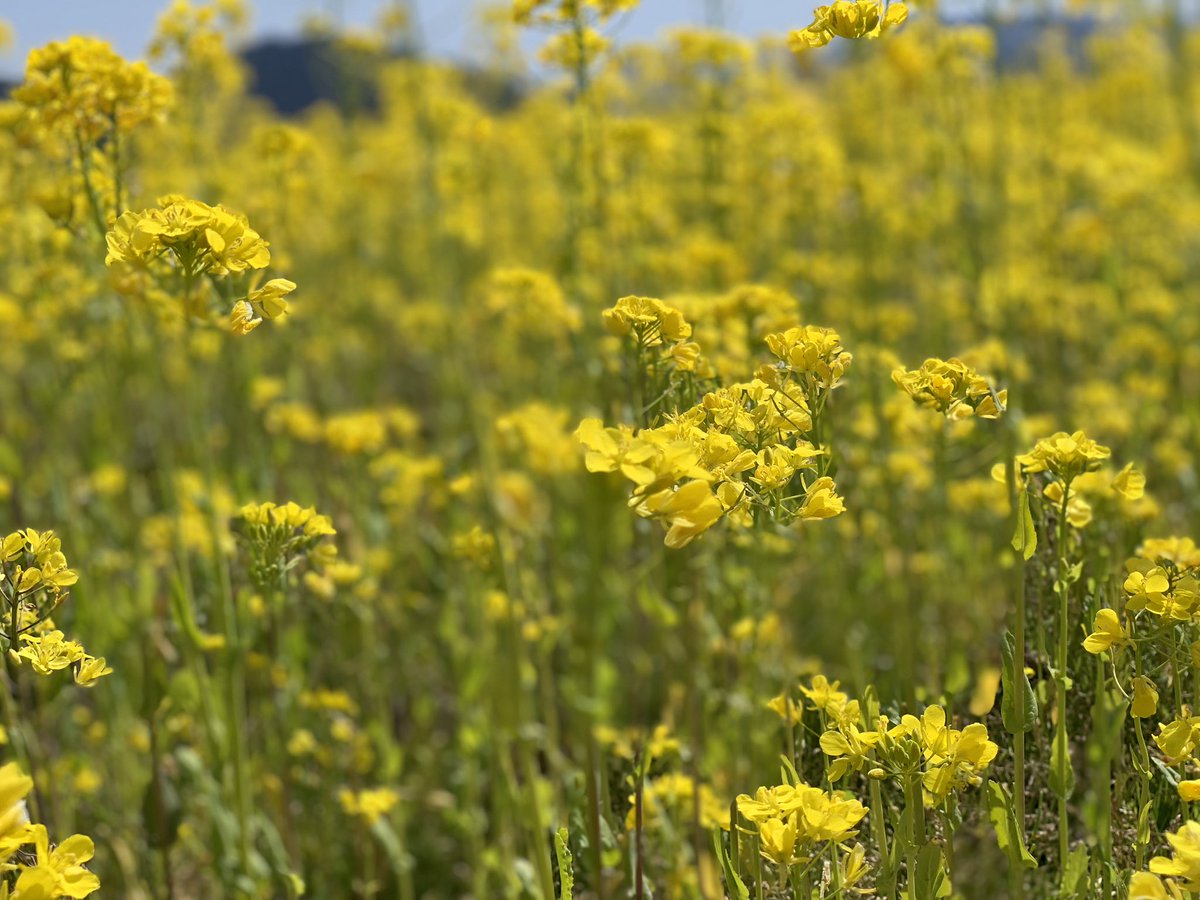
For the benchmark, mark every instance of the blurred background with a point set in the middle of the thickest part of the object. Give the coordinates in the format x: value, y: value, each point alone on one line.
x: 503, y: 648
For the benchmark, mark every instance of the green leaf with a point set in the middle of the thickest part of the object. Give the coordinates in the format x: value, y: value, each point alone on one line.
x: 566, y: 871
x: 398, y: 859
x: 1024, y: 539
x: 787, y: 771
x: 1017, y: 716
x: 902, y: 840
x: 1062, y: 774
x: 734, y: 886
x: 1009, y: 832
x: 1143, y: 824
x: 1073, y: 872
x: 930, y: 882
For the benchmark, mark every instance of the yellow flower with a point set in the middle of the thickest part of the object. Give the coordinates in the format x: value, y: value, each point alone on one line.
x: 813, y: 353
x: 688, y: 512
x: 952, y: 388
x: 786, y: 708
x: 1129, y: 483
x: 50, y: 651
x: 849, y: 748
x: 778, y: 840
x: 14, y: 787
x: 1079, y: 511
x: 831, y: 816
x: 970, y: 753
x: 825, y: 696
x: 1144, y: 886
x: 90, y: 669
x: 770, y: 803
x: 1064, y: 455
x: 268, y: 300
x: 1180, y: 550
x: 242, y: 319
x: 1145, y: 698
x: 1146, y: 589
x: 12, y: 547
x: 821, y: 500
x: 82, y: 87
x: 189, y: 239
x: 1178, y: 739
x: 847, y: 19
x: 675, y: 798
x: 59, y: 872
x: 855, y: 869
x: 1185, y: 845
x: 651, y: 321
x: 1107, y: 633
x: 615, y: 450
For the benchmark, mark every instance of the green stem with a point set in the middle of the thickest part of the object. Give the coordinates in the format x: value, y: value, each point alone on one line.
x: 887, y: 888
x: 1060, y: 734
x: 1018, y: 673
x: 85, y: 169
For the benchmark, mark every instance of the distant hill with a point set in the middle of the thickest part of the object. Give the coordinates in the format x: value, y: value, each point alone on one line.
x: 293, y: 75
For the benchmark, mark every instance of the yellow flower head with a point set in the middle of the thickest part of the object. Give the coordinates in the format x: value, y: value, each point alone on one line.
x: 813, y: 353
x: 1185, y: 862
x: 1107, y: 633
x: 1064, y: 455
x: 1145, y: 698
x: 651, y: 321
x: 951, y: 388
x: 849, y: 19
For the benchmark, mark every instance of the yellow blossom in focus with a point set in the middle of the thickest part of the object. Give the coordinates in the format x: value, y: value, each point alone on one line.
x: 1107, y: 633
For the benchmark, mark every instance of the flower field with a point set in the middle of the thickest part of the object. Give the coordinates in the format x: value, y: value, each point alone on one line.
x: 701, y: 469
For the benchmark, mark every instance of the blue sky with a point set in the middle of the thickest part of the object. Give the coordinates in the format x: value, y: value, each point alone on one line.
x: 447, y: 24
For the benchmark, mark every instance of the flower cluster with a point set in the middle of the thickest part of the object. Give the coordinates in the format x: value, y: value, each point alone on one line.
x: 953, y: 759
x: 1064, y: 456
x: 1073, y: 470
x: 34, y: 577
x: 195, y: 240
x: 743, y: 451
x: 848, y: 19
x: 795, y: 821
x: 952, y: 388
x: 279, y: 537
x: 812, y: 356
x: 83, y: 89
x: 1161, y: 591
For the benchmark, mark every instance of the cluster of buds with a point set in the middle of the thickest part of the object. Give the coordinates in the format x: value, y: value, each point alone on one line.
x: 280, y: 537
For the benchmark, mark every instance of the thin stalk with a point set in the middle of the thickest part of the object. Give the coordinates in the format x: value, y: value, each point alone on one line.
x: 887, y: 889
x: 1060, y: 734
x: 1018, y: 631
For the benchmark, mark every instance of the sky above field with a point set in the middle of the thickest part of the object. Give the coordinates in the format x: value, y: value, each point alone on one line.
x: 447, y: 25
